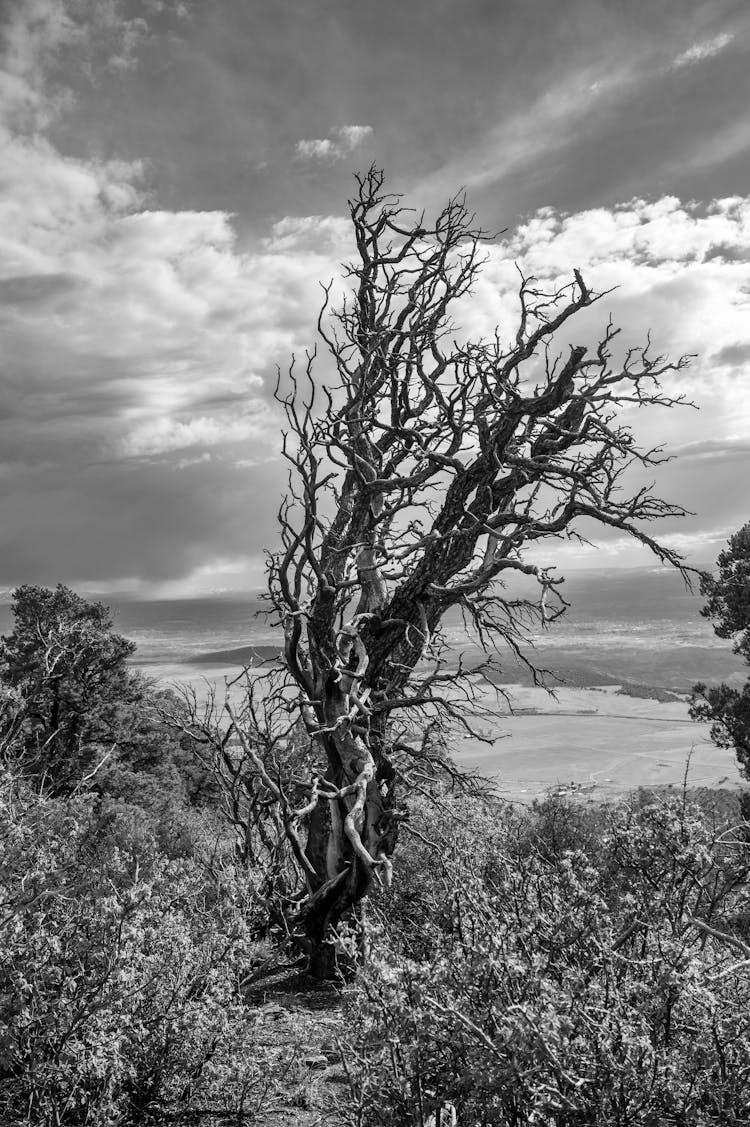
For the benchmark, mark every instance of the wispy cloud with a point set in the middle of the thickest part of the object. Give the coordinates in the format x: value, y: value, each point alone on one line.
x: 529, y: 137
x: 40, y: 36
x: 714, y: 449
x: 701, y: 51
x: 339, y: 143
x: 320, y: 234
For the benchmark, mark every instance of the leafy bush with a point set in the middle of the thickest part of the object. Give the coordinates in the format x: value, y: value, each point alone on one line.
x: 120, y: 974
x: 607, y: 983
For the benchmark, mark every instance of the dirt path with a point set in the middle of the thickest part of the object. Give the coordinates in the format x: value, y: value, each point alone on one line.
x: 299, y: 1023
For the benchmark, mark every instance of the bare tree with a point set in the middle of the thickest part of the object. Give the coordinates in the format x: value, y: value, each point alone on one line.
x: 262, y: 766
x: 420, y: 475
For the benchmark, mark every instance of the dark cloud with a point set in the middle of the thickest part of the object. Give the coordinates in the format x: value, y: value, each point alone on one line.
x: 732, y: 355
x: 149, y: 521
x: 248, y: 80
x: 724, y: 253
x: 32, y: 288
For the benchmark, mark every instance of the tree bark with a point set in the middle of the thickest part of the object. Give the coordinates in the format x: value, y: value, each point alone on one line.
x: 420, y: 482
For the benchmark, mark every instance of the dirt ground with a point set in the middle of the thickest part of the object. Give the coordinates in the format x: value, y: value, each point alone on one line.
x: 299, y: 1022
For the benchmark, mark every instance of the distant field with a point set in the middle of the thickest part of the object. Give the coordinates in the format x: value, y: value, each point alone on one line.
x: 603, y: 743
x: 635, y: 626
x: 675, y: 667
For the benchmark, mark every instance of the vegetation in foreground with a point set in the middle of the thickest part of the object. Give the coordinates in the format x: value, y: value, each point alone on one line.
x: 582, y: 967
x: 555, y: 965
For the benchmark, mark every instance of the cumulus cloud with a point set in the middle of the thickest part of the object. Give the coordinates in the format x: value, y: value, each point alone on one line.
x: 137, y: 346
x: 351, y: 136
x: 642, y: 232
x: 320, y: 149
x: 138, y: 434
x: 698, y: 52
x: 340, y: 142
x: 659, y: 258
x: 312, y: 233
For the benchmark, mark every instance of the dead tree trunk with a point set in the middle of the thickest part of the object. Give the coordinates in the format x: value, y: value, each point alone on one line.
x: 419, y: 478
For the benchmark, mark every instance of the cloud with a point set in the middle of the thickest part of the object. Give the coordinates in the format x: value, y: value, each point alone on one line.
x: 352, y: 136
x: 659, y: 255
x: 572, y: 132
x: 713, y: 449
x: 139, y: 344
x: 162, y: 435
x: 312, y: 233
x: 133, y: 33
x: 133, y: 523
x: 138, y: 433
x: 179, y: 8
x: 700, y: 548
x: 733, y: 355
x: 701, y: 51
x: 35, y: 288
x: 341, y: 141
x: 138, y: 350
x: 727, y: 141
x: 40, y: 36
x: 318, y: 150
x: 528, y: 137
x: 663, y: 232
x: 153, y: 425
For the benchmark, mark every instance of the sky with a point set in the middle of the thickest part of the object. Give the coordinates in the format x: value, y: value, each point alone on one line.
x: 173, y: 186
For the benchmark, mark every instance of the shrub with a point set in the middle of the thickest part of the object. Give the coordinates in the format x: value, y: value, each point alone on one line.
x: 606, y: 984
x: 120, y: 975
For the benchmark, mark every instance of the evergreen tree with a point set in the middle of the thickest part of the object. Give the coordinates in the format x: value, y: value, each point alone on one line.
x: 68, y: 672
x: 728, y: 607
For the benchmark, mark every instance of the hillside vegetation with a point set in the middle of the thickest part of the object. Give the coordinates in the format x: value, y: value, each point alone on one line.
x: 557, y: 964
